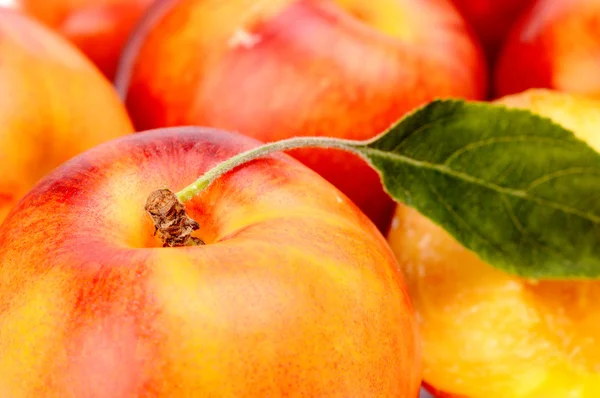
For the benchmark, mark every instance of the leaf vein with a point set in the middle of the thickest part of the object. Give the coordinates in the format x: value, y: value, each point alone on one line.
x: 518, y: 193
x: 523, y: 231
x: 421, y: 129
x: 562, y: 173
x: 497, y: 140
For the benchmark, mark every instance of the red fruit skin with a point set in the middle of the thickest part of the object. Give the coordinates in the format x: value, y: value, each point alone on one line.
x: 300, y: 68
x: 491, y: 20
x: 296, y: 293
x: 555, y: 45
x: 99, y: 28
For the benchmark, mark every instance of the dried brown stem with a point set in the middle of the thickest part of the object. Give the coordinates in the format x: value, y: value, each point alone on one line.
x: 171, y: 222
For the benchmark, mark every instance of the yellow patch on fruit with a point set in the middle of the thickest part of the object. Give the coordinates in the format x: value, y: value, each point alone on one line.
x: 387, y: 16
x: 178, y: 285
x: 578, y: 113
x: 28, y: 332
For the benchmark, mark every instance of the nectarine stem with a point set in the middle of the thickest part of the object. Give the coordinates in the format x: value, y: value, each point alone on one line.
x: 171, y: 222
x: 209, y: 177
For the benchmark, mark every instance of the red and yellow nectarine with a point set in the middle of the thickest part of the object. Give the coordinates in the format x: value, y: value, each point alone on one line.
x: 54, y: 104
x: 487, y: 333
x: 99, y: 28
x: 295, y: 293
x: 556, y: 45
x: 281, y: 68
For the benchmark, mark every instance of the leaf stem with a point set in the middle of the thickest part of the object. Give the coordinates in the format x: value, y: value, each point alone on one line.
x: 209, y: 177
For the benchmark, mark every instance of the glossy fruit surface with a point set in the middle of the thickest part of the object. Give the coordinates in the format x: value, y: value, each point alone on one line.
x: 490, y: 334
x: 99, y: 28
x: 296, y: 293
x: 282, y: 68
x: 556, y: 45
x: 54, y: 104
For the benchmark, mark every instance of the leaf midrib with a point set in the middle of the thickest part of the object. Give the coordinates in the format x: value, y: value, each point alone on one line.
x: 517, y: 193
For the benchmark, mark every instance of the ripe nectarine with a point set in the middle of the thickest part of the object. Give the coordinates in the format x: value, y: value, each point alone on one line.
x: 54, y: 104
x: 99, y: 28
x: 487, y: 333
x: 281, y: 68
x: 556, y: 45
x: 295, y: 293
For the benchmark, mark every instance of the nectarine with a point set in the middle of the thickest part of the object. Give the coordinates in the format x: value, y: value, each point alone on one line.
x: 295, y: 293
x: 99, y: 28
x: 280, y: 68
x: 487, y: 333
x: 556, y: 45
x: 54, y: 104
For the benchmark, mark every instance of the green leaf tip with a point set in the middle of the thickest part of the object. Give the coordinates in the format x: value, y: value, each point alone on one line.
x: 519, y: 190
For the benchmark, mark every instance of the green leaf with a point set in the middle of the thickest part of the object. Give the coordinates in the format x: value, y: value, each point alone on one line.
x: 520, y: 191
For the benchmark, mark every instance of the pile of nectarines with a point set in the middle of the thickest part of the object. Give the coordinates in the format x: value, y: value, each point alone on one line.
x: 305, y: 277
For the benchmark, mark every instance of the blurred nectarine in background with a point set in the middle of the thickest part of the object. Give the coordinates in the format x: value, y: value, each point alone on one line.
x: 54, y: 104
x: 487, y: 333
x: 281, y: 68
x: 99, y: 28
x: 555, y: 45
